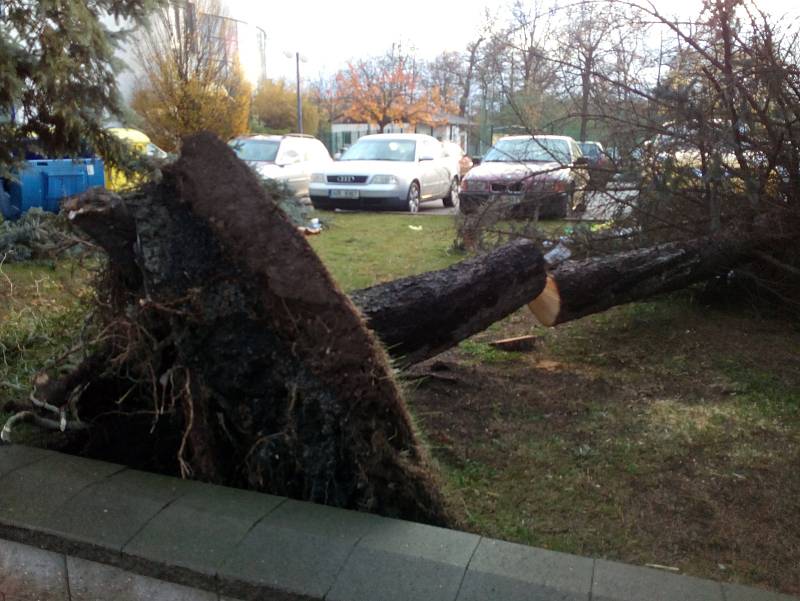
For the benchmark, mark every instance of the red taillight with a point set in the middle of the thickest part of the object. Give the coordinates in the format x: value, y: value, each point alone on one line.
x: 559, y: 186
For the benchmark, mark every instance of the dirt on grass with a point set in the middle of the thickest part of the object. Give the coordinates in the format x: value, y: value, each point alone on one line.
x: 659, y: 433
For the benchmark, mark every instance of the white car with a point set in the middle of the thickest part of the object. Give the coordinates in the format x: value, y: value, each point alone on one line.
x: 387, y: 172
x: 289, y: 159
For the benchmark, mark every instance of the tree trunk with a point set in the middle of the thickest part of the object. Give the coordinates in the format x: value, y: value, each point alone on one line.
x: 420, y: 316
x: 466, y: 88
x: 582, y: 287
x: 586, y: 89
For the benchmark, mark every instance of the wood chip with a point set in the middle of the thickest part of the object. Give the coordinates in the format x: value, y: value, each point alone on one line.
x: 518, y: 344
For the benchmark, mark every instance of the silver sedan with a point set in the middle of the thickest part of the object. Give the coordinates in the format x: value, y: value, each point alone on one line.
x: 387, y: 172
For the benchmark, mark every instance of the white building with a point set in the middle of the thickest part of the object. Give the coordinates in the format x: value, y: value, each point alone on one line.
x: 454, y: 129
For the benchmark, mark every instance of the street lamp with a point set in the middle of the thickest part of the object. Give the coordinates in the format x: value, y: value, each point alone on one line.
x: 298, y: 58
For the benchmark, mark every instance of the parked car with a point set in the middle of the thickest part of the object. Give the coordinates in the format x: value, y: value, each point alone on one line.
x: 601, y: 167
x: 387, y: 171
x: 455, y: 151
x: 544, y: 175
x: 287, y: 159
x: 142, y: 145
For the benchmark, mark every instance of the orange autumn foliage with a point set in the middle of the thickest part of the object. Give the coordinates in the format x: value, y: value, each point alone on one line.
x: 388, y: 90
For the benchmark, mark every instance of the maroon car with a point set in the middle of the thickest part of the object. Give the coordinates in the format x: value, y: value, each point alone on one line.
x: 601, y: 167
x: 543, y: 176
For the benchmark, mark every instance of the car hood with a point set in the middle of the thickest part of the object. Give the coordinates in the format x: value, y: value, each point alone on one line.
x: 502, y: 170
x: 371, y: 167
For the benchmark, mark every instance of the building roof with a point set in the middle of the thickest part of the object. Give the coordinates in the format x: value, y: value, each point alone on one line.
x: 448, y: 118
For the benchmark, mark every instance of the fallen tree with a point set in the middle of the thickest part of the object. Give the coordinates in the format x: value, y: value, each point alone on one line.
x: 226, y: 353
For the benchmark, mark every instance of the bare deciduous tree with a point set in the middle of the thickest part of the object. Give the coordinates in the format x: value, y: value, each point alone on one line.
x: 189, y: 78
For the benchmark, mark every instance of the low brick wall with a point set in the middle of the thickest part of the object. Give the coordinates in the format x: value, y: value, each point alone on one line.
x: 77, y: 529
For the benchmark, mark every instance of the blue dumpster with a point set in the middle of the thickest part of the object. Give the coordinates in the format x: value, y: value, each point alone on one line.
x: 45, y: 183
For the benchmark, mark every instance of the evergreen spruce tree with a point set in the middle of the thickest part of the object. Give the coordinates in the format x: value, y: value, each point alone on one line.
x: 57, y: 75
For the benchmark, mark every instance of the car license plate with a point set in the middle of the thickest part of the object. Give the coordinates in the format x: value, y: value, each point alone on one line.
x: 344, y: 193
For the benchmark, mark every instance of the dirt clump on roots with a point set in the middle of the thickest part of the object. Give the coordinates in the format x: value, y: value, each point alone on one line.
x: 231, y: 356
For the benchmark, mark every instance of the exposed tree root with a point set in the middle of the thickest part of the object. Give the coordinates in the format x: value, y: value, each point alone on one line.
x: 229, y: 354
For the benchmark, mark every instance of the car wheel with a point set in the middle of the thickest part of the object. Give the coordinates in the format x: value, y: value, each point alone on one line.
x: 413, y: 198
x: 451, y: 200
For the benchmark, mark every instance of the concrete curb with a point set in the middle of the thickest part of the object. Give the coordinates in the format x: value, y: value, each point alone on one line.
x: 73, y: 528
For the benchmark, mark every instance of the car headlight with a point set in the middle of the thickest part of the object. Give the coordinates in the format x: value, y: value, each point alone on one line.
x: 473, y: 185
x: 317, y: 178
x: 384, y: 179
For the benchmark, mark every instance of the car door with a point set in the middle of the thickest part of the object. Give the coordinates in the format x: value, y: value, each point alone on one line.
x: 447, y: 168
x: 433, y: 169
x: 307, y: 164
x: 426, y: 169
x: 292, y: 162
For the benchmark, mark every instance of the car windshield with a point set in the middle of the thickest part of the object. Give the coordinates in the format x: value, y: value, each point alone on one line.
x: 529, y: 150
x: 256, y: 150
x: 589, y: 149
x: 381, y: 150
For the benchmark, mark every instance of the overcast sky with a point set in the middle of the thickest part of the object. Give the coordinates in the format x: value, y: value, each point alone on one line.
x: 329, y: 33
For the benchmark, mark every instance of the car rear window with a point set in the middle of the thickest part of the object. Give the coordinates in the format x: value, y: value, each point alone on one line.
x: 589, y: 150
x: 381, y: 150
x: 256, y: 150
x: 529, y: 149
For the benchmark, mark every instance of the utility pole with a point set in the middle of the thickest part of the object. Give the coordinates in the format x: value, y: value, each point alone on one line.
x: 299, y: 98
x: 297, y: 58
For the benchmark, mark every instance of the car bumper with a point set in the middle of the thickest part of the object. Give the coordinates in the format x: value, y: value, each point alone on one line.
x: 362, y: 203
x: 550, y: 206
x: 370, y: 198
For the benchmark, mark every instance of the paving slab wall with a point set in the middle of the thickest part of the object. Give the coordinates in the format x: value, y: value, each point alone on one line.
x: 80, y: 530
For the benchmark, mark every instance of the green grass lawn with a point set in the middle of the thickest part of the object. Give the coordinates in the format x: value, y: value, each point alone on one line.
x: 42, y: 308
x: 363, y: 249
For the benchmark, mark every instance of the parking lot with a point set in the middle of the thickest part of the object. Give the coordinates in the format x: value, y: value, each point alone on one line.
x: 600, y: 205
